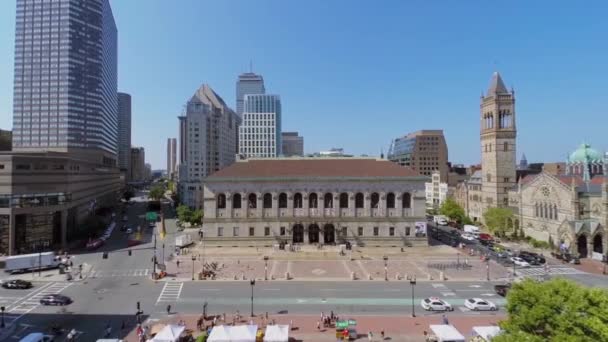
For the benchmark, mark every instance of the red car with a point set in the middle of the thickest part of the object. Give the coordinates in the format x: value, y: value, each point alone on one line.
x: 485, y: 237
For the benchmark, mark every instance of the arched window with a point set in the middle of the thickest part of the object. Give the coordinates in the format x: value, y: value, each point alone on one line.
x: 406, y: 200
x: 546, y: 211
x: 252, y: 201
x: 375, y: 200
x: 329, y: 200
x: 359, y: 200
x: 282, y: 200
x: 221, y: 201
x: 505, y: 146
x: 550, y: 212
x: 297, y: 200
x: 390, y: 200
x: 313, y: 200
x: 267, y: 201
x: 555, y: 212
x: 343, y: 200
x: 536, y: 209
x: 236, y: 201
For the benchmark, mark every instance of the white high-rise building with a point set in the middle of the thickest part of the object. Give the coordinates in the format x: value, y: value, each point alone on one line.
x: 208, y: 142
x: 436, y: 192
x: 248, y: 83
x: 260, y: 133
x: 171, y: 157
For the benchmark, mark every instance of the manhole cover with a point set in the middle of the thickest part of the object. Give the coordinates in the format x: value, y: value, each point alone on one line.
x: 318, y: 271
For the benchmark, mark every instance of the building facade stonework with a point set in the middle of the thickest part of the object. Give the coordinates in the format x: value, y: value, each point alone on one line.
x: 310, y: 201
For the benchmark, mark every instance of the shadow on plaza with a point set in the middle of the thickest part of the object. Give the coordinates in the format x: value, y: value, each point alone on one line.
x: 88, y: 327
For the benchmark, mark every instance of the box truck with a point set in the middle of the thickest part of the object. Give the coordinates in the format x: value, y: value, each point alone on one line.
x: 34, y: 261
x: 183, y: 240
x: 471, y: 229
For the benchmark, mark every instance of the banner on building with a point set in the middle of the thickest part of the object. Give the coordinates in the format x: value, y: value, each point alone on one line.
x: 420, y: 228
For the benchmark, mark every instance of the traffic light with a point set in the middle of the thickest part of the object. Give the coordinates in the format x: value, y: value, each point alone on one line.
x: 129, y: 252
x: 105, y: 255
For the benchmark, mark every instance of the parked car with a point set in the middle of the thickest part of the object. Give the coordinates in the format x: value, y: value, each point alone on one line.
x: 129, y: 230
x: 124, y: 228
x: 502, y: 289
x: 55, y: 299
x: 478, y: 304
x: 468, y: 237
x: 17, y: 284
x: 529, y: 259
x: 519, y: 262
x: 436, y: 304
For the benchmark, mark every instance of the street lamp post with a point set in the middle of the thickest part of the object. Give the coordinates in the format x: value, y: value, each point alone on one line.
x: 488, y: 269
x: 252, y: 283
x: 457, y: 260
x: 265, y: 267
x: 385, y: 267
x: 413, y: 283
x: 2, y: 325
x: 163, y: 253
x: 193, y: 260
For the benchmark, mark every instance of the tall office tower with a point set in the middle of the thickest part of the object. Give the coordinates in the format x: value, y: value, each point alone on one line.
x: 292, y: 144
x: 211, y: 131
x: 183, y: 137
x: 497, y: 139
x: 260, y: 133
x: 65, y: 85
x: 138, y: 164
x: 124, y: 133
x: 171, y: 156
x: 424, y: 151
x: 248, y: 83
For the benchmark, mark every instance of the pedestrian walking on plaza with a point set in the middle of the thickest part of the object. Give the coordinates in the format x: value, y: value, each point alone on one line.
x: 318, y: 325
x: 445, y: 319
x: 214, y: 319
x: 177, y: 262
x: 108, y: 330
x: 169, y: 309
x: 382, y: 334
x: 370, y: 336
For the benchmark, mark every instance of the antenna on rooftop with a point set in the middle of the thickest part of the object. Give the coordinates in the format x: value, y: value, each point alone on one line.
x: 250, y: 66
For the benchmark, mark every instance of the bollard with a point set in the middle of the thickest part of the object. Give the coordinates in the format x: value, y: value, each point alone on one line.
x: 370, y: 277
x: 429, y: 277
x: 353, y: 276
x: 286, y: 275
x: 236, y: 277
x: 441, y: 276
x: 397, y: 276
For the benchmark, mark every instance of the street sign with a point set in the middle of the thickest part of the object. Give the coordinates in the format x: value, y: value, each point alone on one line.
x: 151, y: 216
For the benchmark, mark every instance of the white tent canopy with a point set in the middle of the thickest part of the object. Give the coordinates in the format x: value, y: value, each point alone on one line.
x: 445, y: 333
x: 276, y: 333
x: 239, y: 333
x: 170, y: 333
x: 486, y: 332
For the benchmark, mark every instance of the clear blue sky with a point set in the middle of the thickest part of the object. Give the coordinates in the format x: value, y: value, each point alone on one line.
x: 355, y: 74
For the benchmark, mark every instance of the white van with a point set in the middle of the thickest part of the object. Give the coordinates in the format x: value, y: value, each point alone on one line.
x: 37, y: 337
x: 471, y: 229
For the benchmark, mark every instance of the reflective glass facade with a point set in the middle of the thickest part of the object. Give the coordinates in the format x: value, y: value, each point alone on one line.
x: 65, y: 85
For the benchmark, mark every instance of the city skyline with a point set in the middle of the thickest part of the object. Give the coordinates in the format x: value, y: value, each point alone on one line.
x: 397, y: 86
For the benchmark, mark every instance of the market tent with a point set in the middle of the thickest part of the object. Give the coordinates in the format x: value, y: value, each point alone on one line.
x: 243, y: 333
x: 445, y: 332
x: 170, y: 333
x: 276, y: 333
x: 486, y: 332
x: 219, y: 334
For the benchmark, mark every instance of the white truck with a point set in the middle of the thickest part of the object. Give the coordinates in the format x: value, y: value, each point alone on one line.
x: 34, y: 261
x: 441, y: 220
x: 183, y: 240
x: 471, y: 229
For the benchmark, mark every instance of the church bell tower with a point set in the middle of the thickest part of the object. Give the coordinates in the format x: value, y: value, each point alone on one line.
x: 498, y: 134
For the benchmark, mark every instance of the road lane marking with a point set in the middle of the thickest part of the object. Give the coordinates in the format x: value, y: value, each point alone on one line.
x: 210, y: 289
x: 170, y: 292
x: 271, y: 289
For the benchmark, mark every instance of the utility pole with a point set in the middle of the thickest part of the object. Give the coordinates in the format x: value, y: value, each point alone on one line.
x: 154, y: 257
x: 40, y: 258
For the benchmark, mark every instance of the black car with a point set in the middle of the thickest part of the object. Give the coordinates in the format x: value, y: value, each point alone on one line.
x: 55, y: 299
x: 530, y: 259
x: 17, y: 284
x: 539, y: 258
x: 502, y: 290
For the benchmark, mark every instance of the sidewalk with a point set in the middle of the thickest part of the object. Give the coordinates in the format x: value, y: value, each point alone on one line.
x: 304, y: 328
x: 51, y: 275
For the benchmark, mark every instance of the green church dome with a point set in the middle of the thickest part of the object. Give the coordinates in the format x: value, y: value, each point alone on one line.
x: 585, y: 154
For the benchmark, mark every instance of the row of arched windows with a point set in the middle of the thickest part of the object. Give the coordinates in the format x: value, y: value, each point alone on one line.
x: 313, y: 200
x: 544, y: 210
x: 505, y: 119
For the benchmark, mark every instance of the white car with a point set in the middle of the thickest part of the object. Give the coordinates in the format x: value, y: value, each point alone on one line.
x: 435, y: 304
x: 129, y: 231
x: 520, y: 262
x: 478, y: 304
x: 468, y: 237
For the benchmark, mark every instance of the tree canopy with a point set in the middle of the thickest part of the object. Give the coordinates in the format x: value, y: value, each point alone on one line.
x: 157, y: 192
x: 452, y: 210
x: 556, y: 310
x: 499, y: 220
x: 185, y: 214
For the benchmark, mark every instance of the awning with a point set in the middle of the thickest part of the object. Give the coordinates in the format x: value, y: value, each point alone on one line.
x: 276, y: 333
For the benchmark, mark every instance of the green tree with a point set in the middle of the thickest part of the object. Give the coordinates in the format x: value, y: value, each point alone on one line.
x: 157, y: 192
x: 197, y: 217
x: 184, y: 213
x: 555, y: 311
x: 452, y: 210
x: 499, y: 220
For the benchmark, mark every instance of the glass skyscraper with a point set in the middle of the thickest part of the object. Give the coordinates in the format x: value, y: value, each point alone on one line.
x: 65, y: 86
x: 260, y: 132
x: 124, y: 132
x: 248, y: 83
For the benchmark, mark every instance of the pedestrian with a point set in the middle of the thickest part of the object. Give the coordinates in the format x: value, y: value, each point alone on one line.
x: 370, y: 336
x: 169, y: 309
x: 177, y: 262
x: 108, y: 330
x: 291, y: 323
x: 224, y: 317
x: 266, y: 314
x: 331, y: 315
x: 445, y: 319
x: 382, y: 334
x: 318, y: 325
x: 214, y: 319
